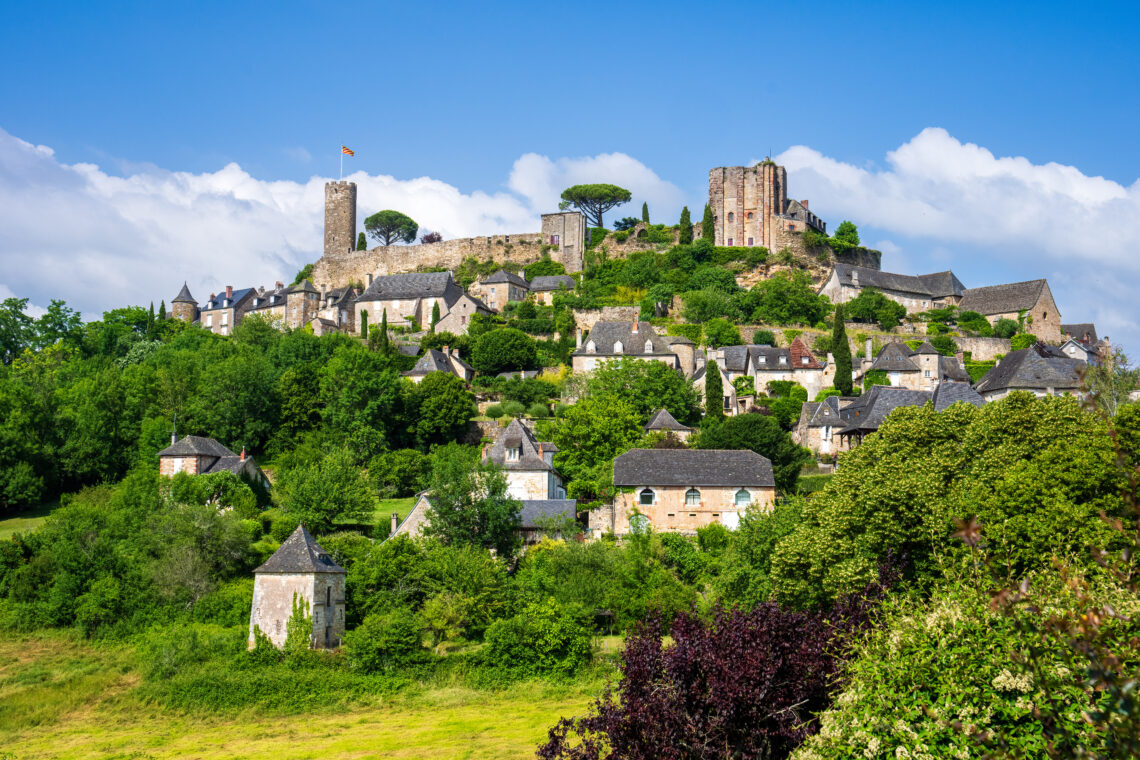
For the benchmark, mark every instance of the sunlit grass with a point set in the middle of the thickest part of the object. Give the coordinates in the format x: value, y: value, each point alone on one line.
x: 25, y: 521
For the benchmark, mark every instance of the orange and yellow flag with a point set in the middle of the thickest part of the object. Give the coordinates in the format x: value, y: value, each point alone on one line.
x: 346, y: 150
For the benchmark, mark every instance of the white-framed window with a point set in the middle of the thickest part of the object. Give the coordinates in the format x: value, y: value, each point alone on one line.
x: 692, y: 498
x: 225, y: 317
x: 803, y: 360
x: 825, y: 434
x: 513, y: 453
x: 647, y: 497
x: 926, y: 373
x: 783, y: 360
x: 761, y: 359
x: 210, y: 320
x: 648, y: 346
x: 742, y: 498
x: 619, y: 347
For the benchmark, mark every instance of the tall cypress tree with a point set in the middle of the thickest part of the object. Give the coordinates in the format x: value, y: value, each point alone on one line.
x: 434, y: 315
x: 714, y: 391
x: 708, y: 227
x: 364, y: 324
x: 361, y: 242
x: 686, y: 225
x: 150, y: 323
x: 841, y: 352
x: 162, y: 310
x: 645, y: 212
x: 382, y: 341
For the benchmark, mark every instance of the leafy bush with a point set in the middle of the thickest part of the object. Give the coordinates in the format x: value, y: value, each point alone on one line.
x: 538, y: 410
x: 720, y: 332
x: 703, y: 305
x: 875, y: 377
x: 786, y: 298
x: 821, y: 345
x: 399, y: 473
x: 166, y: 651
x: 494, y: 411
x: 872, y: 306
x: 321, y: 494
x: 764, y: 338
x: 543, y: 639
x: 646, y: 387
x: 385, y: 641
x: 945, y: 345
x: 692, y: 332
x: 513, y: 409
x: 1006, y: 328
x: 1022, y: 340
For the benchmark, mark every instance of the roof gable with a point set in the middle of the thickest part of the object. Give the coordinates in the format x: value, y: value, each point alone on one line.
x: 196, y: 445
x: 518, y: 436
x: 662, y: 420
x: 300, y: 553
x: 412, y: 285
x: 1027, y: 369
x: 693, y: 467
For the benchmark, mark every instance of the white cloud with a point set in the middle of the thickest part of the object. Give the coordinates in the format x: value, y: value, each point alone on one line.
x: 100, y: 241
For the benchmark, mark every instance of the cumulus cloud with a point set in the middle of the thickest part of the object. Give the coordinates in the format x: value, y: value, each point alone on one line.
x: 973, y: 210
x: 98, y: 240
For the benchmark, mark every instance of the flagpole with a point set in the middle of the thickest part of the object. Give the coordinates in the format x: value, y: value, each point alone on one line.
x: 342, y: 163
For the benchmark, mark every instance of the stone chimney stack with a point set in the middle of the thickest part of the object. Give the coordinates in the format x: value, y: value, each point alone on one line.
x: 578, y: 338
x: 869, y: 354
x: 634, y: 330
x: 854, y: 278
x: 280, y: 284
x: 369, y: 278
x: 395, y: 522
x: 229, y: 292
x: 804, y: 203
x: 243, y: 453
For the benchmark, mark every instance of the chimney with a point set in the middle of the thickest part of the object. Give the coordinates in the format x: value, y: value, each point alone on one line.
x: 578, y: 338
x: 446, y: 351
x: 961, y: 357
x: 870, y: 350
x: 540, y: 449
x: 634, y: 326
x: 243, y: 453
x: 173, y: 438
x: 280, y: 284
x: 395, y: 522
x: 854, y: 278
x: 229, y: 291
x: 804, y: 203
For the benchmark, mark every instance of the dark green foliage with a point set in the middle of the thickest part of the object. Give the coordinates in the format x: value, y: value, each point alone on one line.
x: 708, y: 226
x: 434, y: 316
x: 846, y: 236
x: 1006, y: 328
x: 872, y: 306
x: 361, y: 396
x: 703, y: 305
x: 841, y: 352
x: 786, y: 298
x: 594, y: 200
x: 975, y: 322
x: 443, y: 408
x: 378, y: 338
x: 944, y: 344
x: 589, y: 435
x: 303, y: 274
x: 646, y: 387
x: 764, y: 338
x: 385, y: 641
x: 645, y: 212
x: 977, y: 370
x: 686, y: 225
x: 544, y: 267
x: 361, y: 242
x: 503, y: 350
x: 388, y: 227
x: 714, y: 392
x: 1022, y: 340
x: 364, y: 324
x: 469, y: 502
x: 330, y: 491
x: 626, y: 223
x: 395, y: 474
x: 543, y: 639
x: 713, y: 278
x: 747, y: 577
x: 762, y: 434
x: 720, y: 332
x: 875, y: 377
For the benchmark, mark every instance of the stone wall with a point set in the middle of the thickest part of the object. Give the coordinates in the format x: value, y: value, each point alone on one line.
x: 670, y: 514
x: 273, y: 605
x: 983, y: 349
x: 585, y: 319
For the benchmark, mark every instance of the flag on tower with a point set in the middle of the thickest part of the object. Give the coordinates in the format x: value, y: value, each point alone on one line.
x: 346, y: 150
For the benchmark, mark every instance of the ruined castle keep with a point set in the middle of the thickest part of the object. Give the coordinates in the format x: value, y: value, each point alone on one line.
x: 750, y: 207
x: 562, y: 236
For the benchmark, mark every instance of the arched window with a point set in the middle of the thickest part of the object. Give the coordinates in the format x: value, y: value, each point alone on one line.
x: 743, y: 498
x: 619, y: 347
x: 692, y: 498
x: 731, y: 216
x: 639, y: 524
x: 647, y: 497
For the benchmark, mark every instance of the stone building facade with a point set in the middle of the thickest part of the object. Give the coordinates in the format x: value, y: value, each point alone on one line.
x: 527, y: 463
x: 750, y: 206
x: 301, y: 569
x: 1032, y: 299
x: 635, y: 339
x: 340, y: 219
x: 567, y: 231
x: 915, y: 292
x: 184, y: 306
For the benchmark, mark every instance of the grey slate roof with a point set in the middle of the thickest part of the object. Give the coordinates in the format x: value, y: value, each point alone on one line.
x: 606, y: 334
x: 504, y: 276
x: 822, y: 413
x: 404, y: 287
x: 184, y: 296
x: 1028, y: 369
x: 926, y: 348
x: 300, y: 553
x: 873, y: 408
x: 950, y: 393
x: 692, y: 467
x: 952, y: 369
x: 936, y: 285
x: 895, y: 357
x: 408, y: 349
x: 196, y: 445
x: 662, y: 420
x: 518, y: 435
x: 239, y: 296
x: 1077, y: 332
x: 304, y: 287
x: 534, y: 510
x: 553, y: 282
x: 234, y: 464
x: 1002, y: 299
x: 435, y: 360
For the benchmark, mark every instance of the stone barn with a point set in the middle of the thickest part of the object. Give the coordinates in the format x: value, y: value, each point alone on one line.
x: 300, y: 566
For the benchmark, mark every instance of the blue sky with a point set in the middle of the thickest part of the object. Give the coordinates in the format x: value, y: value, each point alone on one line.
x: 461, y: 93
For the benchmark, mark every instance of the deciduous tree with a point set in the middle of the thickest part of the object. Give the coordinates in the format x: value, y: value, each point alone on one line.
x: 469, y: 502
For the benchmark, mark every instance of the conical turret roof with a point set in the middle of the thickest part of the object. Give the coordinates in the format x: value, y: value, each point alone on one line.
x: 300, y: 554
x: 184, y: 296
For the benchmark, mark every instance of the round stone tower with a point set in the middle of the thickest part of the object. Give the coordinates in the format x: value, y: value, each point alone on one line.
x: 184, y: 306
x: 340, y: 217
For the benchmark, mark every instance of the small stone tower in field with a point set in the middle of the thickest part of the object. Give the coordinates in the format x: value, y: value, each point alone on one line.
x: 300, y: 566
x: 184, y: 306
x: 340, y: 217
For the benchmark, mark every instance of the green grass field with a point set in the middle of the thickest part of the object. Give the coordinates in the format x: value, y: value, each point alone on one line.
x: 26, y: 520
x: 62, y: 697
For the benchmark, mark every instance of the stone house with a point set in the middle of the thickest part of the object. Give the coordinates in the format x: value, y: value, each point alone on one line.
x: 301, y: 568
x: 184, y: 306
x: 915, y: 292
x: 270, y: 304
x: 1088, y: 346
x: 1033, y: 298
x: 613, y: 340
x: 819, y: 423
x: 302, y: 302
x: 565, y: 231
x: 865, y: 414
x: 663, y: 422
x: 681, y: 490
x: 197, y: 455
x: 1083, y: 352
x: 733, y: 404
x: 920, y: 369
x: 336, y: 306
x: 444, y: 360
x: 527, y: 463
x: 535, y: 517
x: 458, y: 316
x: 222, y: 313
x: 1038, y: 370
x: 407, y: 298
x: 765, y: 364
x: 501, y: 288
x: 544, y: 287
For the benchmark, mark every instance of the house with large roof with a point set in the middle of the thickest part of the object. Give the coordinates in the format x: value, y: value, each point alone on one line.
x: 681, y: 490
x: 765, y: 364
x: 819, y: 424
x: 1031, y: 300
x: 198, y: 455
x: 537, y: 517
x: 445, y: 359
x: 224, y: 311
x: 527, y: 462
x: 543, y: 287
x: 733, y: 403
x: 502, y: 287
x: 635, y: 339
x: 663, y: 422
x: 410, y: 299
x: 864, y: 415
x: 922, y: 368
x: 299, y: 569
x: 1041, y: 370
x: 915, y: 292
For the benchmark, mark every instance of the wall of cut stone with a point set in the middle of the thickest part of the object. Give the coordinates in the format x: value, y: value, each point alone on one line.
x: 983, y: 349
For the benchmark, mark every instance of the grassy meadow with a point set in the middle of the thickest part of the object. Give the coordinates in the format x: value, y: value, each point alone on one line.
x: 62, y: 697
x: 25, y: 521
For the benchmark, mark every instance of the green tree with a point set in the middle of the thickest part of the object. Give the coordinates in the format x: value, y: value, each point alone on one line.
x: 846, y: 236
x: 361, y: 242
x: 1111, y: 381
x: 686, y: 225
x: 162, y: 310
x: 544, y: 267
x: 714, y: 392
x: 328, y: 492
x: 841, y: 352
x: 470, y: 504
x: 378, y: 342
x: 61, y: 323
x: 762, y: 434
x: 434, y: 316
x: 646, y: 387
x: 399, y: 473
x: 305, y: 273
x: 502, y: 350
x: 360, y: 399
x: 708, y: 225
x: 17, y: 329
x: 236, y: 402
x: 364, y: 323
x: 787, y: 298
x: 543, y: 639
x: 872, y: 306
x: 444, y: 408
x: 385, y: 641
x: 594, y: 200
x: 1022, y: 340
x: 645, y: 212
x: 589, y: 435
x: 388, y: 227
x: 1006, y: 328
x: 720, y: 332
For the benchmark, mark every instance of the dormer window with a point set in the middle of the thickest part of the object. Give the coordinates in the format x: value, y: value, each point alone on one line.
x: 803, y: 360
x: 619, y: 347
x: 514, y: 453
x: 648, y: 346
x: 761, y: 359
x: 783, y: 360
x: 591, y: 347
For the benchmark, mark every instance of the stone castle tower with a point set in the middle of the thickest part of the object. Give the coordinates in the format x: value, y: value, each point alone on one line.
x: 750, y: 205
x: 340, y: 217
x: 184, y: 306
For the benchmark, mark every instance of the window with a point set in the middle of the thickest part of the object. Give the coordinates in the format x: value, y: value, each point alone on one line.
x: 225, y: 317
x: 743, y: 498
x: 591, y: 347
x: 730, y: 241
x: 513, y: 454
x: 749, y: 241
x: 619, y: 347
x: 926, y: 373
x: 210, y: 321
x: 731, y: 217
x: 761, y: 359
x: 825, y: 435
x: 648, y: 346
x: 328, y: 596
x: 728, y: 403
x: 647, y: 497
x: 492, y: 290
x: 783, y: 360
x: 749, y: 215
x: 692, y: 498
x: 803, y: 360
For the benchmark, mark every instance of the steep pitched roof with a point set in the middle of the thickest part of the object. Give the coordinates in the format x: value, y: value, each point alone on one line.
x: 234, y: 464
x: 534, y: 510
x: 553, y: 282
x: 877, y: 404
x: 304, y: 287
x: 947, y: 394
x: 1084, y: 332
x: 799, y: 353
x: 692, y: 467
x: 821, y: 413
x: 238, y: 298
x: 300, y: 553
x: 184, y: 296
x: 435, y: 360
x: 937, y: 285
x: 196, y: 445
x: 404, y: 287
x: 942, y: 284
x: 662, y: 420
x: 1002, y: 299
x: 926, y: 348
x: 952, y: 369
x: 518, y: 436
x: 895, y: 357
x: 504, y: 276
x: 606, y: 335
x: 1027, y: 369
